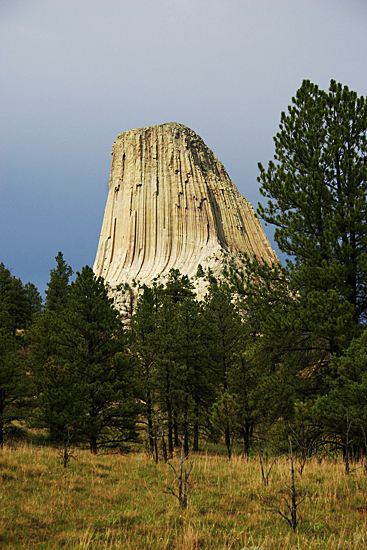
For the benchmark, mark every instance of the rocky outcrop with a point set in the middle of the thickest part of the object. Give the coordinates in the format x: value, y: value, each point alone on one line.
x: 171, y: 204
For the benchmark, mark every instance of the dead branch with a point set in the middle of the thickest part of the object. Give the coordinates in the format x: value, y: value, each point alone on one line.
x: 264, y: 475
x: 293, y: 504
x: 182, y: 477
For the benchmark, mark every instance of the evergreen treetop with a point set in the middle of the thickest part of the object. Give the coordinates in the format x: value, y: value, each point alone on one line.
x: 58, y: 290
x: 317, y: 191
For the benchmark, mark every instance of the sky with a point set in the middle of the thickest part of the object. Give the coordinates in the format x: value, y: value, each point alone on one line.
x: 76, y: 73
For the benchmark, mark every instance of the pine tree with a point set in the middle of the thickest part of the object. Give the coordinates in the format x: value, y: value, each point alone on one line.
x: 225, y: 414
x: 34, y: 298
x: 12, y: 382
x: 15, y: 306
x: 15, y: 315
x: 58, y: 290
x: 146, y: 347
x: 81, y: 371
x: 169, y: 341
x: 57, y: 406
x: 317, y: 201
x: 176, y: 292
x: 192, y: 390
x: 342, y: 412
x: 104, y: 369
x: 224, y: 325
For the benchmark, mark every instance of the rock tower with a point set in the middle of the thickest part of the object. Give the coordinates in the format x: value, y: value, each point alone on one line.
x: 171, y: 204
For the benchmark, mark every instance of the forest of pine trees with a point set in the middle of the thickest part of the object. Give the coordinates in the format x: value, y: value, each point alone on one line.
x: 271, y: 351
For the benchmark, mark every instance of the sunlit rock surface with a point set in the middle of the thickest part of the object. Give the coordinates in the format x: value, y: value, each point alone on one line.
x: 171, y: 204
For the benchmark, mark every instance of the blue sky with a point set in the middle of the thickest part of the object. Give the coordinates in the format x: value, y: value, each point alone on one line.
x: 76, y: 73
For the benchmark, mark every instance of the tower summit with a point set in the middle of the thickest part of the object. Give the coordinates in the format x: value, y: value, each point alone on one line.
x: 171, y: 204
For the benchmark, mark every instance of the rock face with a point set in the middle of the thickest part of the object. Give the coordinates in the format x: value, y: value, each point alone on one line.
x: 171, y: 204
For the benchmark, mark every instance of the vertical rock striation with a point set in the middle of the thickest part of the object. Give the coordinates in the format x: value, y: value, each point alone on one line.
x: 171, y: 204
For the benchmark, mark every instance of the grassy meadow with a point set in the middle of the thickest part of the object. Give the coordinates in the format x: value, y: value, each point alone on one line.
x: 120, y: 501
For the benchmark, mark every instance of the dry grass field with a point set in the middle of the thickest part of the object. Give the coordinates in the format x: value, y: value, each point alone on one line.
x: 120, y: 501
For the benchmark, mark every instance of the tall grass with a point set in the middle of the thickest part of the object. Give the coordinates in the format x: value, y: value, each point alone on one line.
x: 116, y: 501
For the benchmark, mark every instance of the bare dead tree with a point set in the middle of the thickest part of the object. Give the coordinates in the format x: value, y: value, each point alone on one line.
x: 293, y: 504
x: 264, y: 475
x: 182, y: 476
x: 306, y: 448
x: 65, y: 451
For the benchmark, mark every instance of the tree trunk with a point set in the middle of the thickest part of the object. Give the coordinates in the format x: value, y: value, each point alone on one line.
x: 246, y: 433
x: 150, y: 423
x: 170, y: 439
x: 93, y: 445
x: 246, y: 446
x: 169, y: 428
x: 169, y: 414
x: 175, y: 432
x: 196, y: 437
x: 164, y: 447
x: 2, y: 431
x: 156, y: 456
x: 196, y: 428
x: 186, y: 439
x: 186, y: 443
x: 186, y: 428
x: 228, y: 443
